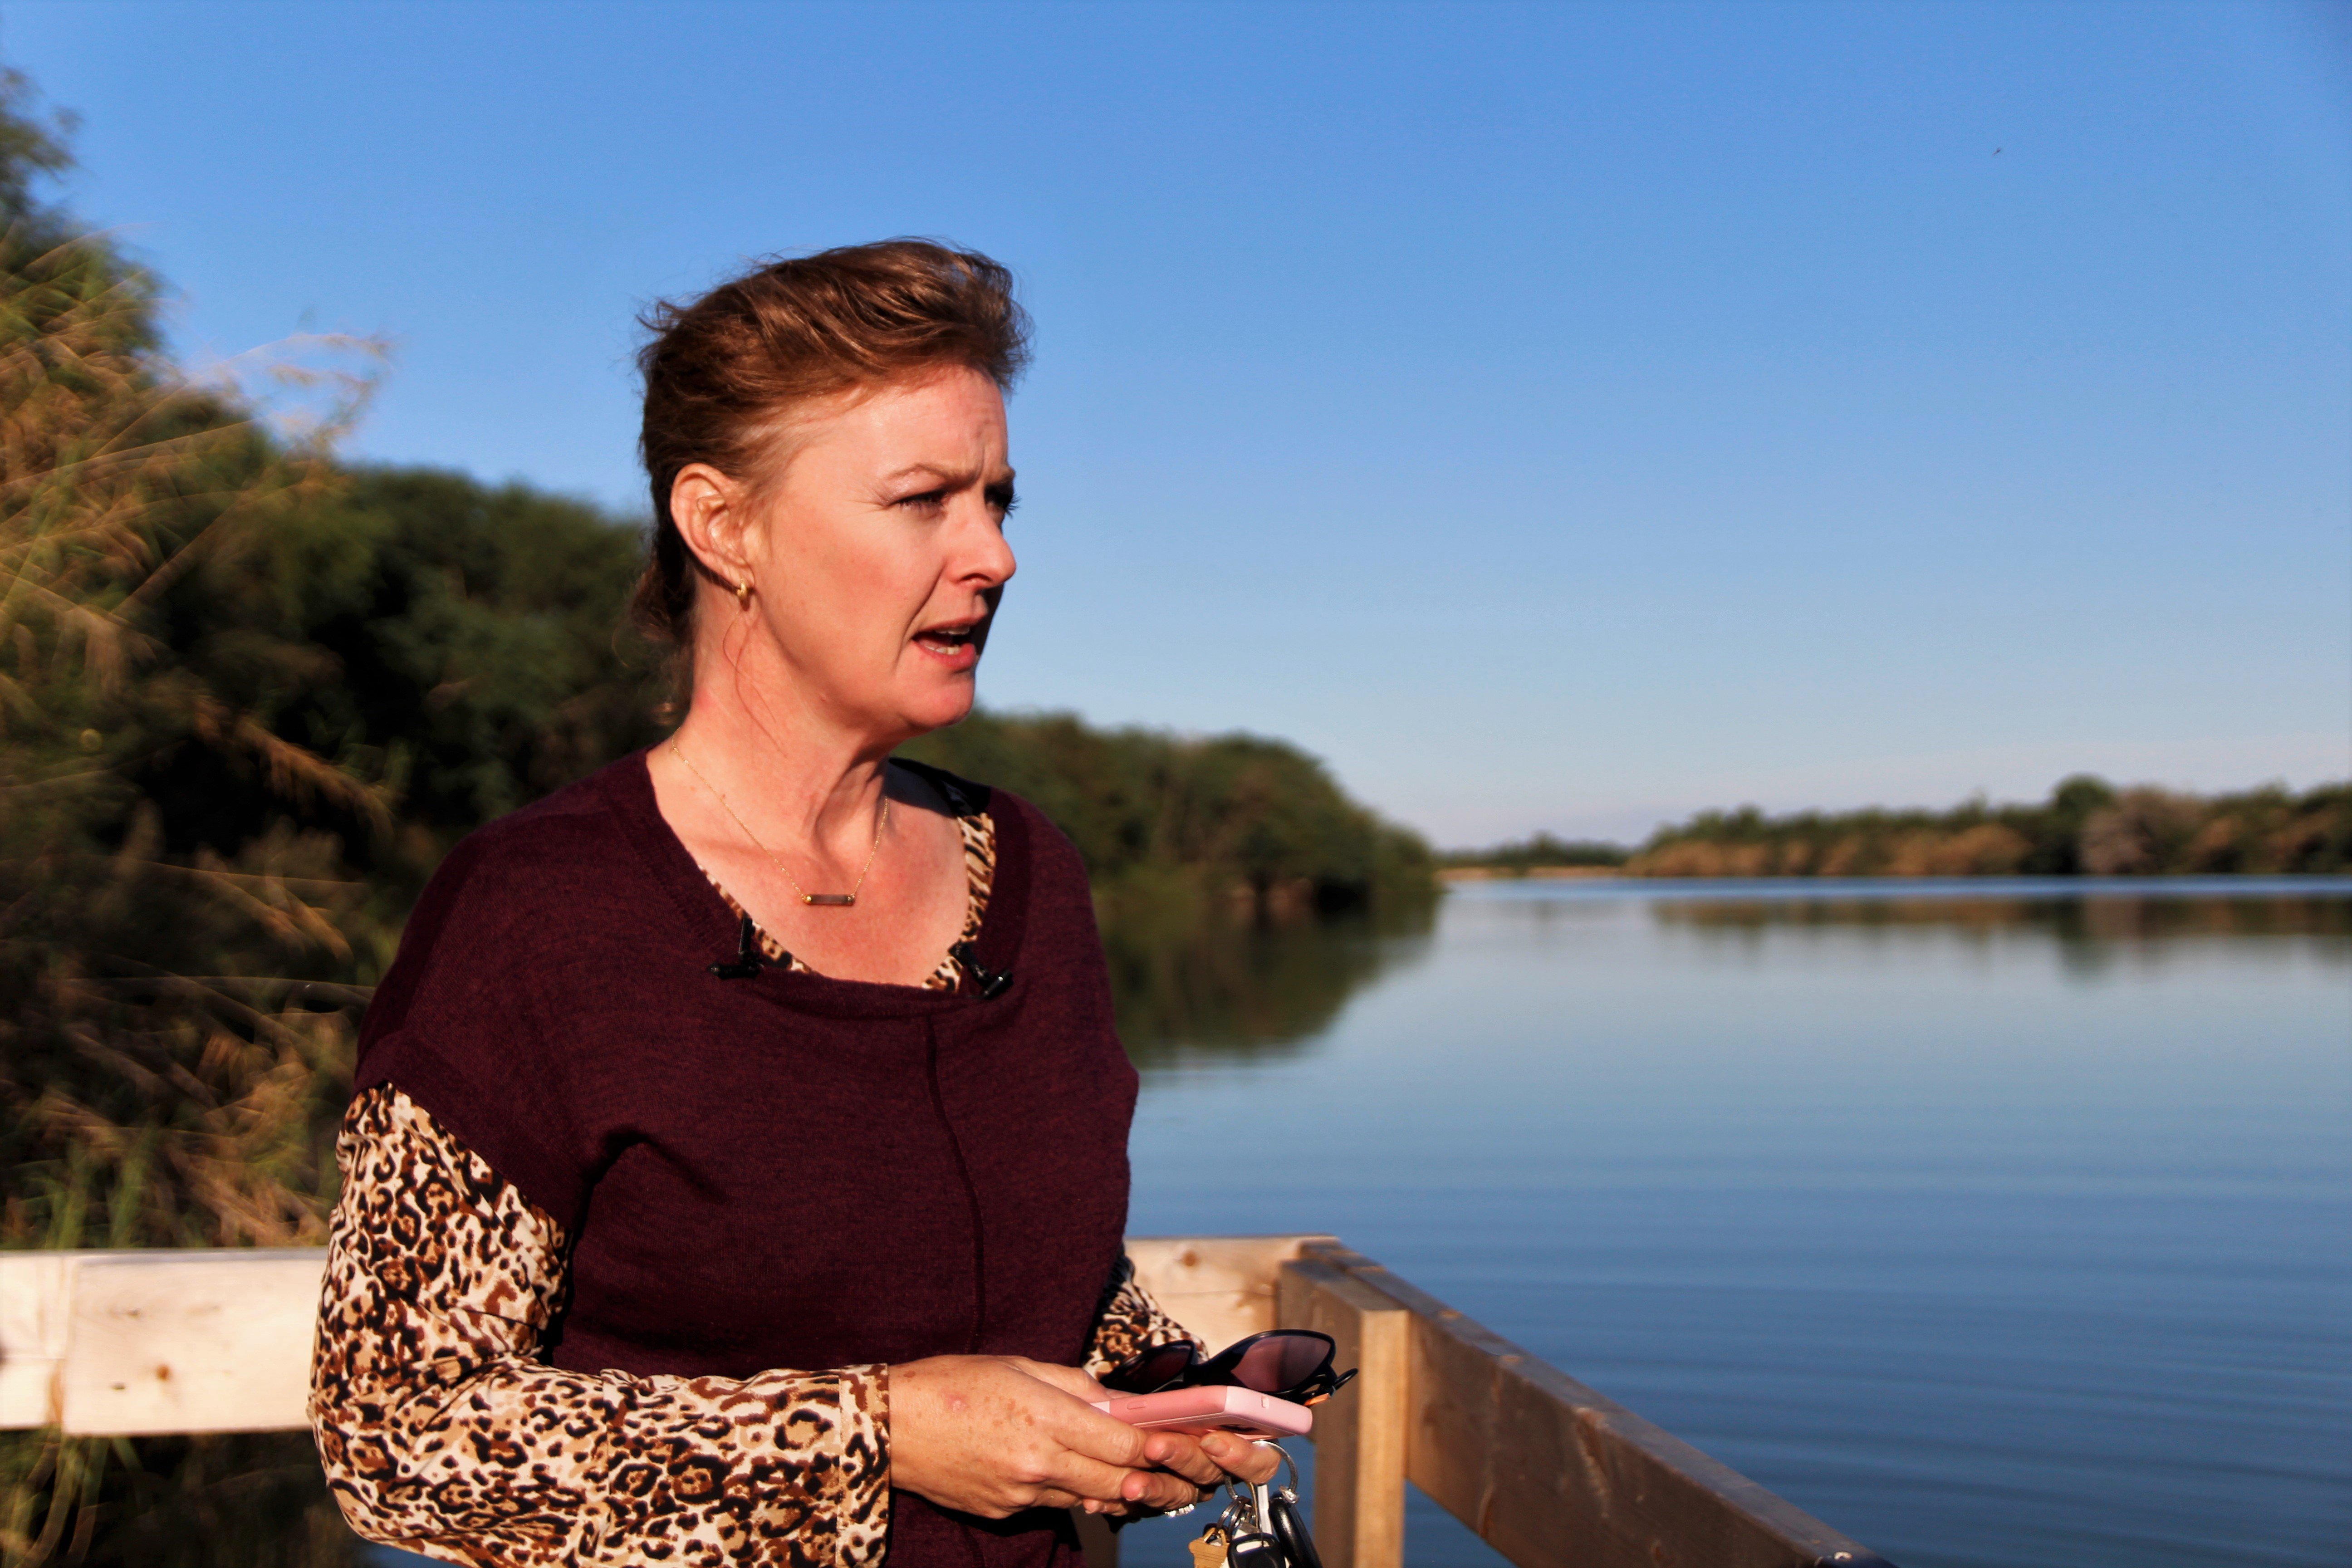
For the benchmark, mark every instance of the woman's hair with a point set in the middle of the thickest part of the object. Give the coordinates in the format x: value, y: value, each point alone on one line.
x: 723, y: 370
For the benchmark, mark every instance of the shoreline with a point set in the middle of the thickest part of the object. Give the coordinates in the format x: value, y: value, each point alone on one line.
x: 2217, y: 880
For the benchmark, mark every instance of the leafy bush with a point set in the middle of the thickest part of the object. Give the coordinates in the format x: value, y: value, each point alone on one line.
x: 1231, y: 820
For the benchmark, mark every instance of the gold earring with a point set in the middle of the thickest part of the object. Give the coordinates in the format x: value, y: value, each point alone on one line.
x: 744, y: 596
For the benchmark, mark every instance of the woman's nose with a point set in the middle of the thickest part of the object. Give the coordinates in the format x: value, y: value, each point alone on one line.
x: 991, y: 552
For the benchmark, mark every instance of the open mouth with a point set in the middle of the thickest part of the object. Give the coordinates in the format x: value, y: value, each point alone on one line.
x: 950, y: 641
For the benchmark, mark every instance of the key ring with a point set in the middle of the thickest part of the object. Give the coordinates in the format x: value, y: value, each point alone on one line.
x: 1293, y: 1487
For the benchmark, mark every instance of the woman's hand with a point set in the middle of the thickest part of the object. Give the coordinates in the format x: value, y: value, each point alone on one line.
x: 1208, y: 1459
x: 995, y: 1435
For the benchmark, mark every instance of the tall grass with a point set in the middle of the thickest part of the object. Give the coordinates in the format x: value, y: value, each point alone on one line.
x: 175, y: 1017
x: 175, y: 1021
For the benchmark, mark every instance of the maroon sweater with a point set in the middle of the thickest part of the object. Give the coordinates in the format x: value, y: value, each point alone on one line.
x: 782, y: 1170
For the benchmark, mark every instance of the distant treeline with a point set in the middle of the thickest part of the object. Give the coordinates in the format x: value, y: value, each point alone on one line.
x: 1541, y: 853
x: 2086, y: 827
x: 1239, y: 818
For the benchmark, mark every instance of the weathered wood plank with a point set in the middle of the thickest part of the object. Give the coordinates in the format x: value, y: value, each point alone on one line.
x: 190, y: 1342
x: 1222, y: 1288
x: 160, y: 1308
x: 36, y: 1289
x: 1554, y: 1475
x: 1361, y: 1434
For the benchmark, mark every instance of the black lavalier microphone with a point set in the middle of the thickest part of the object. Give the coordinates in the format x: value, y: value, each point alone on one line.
x: 745, y: 964
x: 992, y: 982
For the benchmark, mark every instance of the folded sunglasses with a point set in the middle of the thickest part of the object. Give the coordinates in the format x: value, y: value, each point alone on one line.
x: 1288, y: 1363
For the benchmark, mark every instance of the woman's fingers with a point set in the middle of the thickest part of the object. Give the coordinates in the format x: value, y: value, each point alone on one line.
x: 985, y: 1435
x: 1181, y: 1453
x: 1093, y: 1478
x: 1240, y: 1457
x: 993, y: 1434
x: 1124, y: 1469
x: 1158, y: 1491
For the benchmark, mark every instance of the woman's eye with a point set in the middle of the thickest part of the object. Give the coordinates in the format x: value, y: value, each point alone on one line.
x: 925, y: 501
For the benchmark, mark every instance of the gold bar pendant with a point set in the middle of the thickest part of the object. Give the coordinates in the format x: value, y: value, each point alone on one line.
x: 838, y: 900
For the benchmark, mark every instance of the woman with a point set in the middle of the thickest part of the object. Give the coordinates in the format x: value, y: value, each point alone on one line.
x: 737, y: 1167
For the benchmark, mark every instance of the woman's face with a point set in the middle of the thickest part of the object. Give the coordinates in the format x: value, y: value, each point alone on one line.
x: 878, y: 553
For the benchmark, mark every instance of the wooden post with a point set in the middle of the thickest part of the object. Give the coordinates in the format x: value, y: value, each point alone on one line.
x: 1359, y: 1435
x: 1097, y: 1539
x: 1554, y: 1475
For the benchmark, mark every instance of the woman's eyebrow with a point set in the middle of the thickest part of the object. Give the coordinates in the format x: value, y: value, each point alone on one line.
x: 925, y: 471
x: 947, y: 479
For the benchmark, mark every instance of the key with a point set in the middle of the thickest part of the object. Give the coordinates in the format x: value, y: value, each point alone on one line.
x: 1254, y: 1550
x: 1288, y: 1522
x: 1249, y: 1545
x: 1209, y: 1551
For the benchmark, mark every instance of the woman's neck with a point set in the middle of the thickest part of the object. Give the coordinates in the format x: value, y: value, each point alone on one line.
x: 797, y: 782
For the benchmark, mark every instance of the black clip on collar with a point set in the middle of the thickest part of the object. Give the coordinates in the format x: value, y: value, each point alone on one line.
x: 992, y: 983
x: 745, y: 964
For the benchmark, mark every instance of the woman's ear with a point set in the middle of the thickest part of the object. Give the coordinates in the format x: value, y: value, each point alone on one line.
x: 713, y: 514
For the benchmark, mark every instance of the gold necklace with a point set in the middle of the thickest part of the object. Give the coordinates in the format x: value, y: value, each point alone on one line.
x: 828, y: 901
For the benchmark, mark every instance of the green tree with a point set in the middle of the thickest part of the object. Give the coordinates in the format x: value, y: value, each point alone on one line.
x: 1234, y: 821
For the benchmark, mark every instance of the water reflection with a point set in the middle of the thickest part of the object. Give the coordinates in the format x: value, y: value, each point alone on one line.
x: 2105, y: 919
x: 1213, y: 987
x: 2091, y: 933
x: 1191, y: 987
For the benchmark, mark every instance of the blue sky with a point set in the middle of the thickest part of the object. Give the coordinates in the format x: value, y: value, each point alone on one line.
x: 1556, y: 417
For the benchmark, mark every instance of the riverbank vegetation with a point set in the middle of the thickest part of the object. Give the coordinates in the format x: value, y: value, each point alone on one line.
x: 2086, y: 827
x: 1251, y: 824
x: 1540, y: 854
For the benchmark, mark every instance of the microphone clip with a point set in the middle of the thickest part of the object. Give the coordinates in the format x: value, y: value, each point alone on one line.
x: 748, y: 959
x: 992, y: 983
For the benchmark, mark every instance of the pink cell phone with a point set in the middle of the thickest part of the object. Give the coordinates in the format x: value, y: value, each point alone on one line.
x: 1241, y: 1410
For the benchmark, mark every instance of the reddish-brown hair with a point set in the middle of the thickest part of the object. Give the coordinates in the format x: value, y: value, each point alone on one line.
x: 722, y: 370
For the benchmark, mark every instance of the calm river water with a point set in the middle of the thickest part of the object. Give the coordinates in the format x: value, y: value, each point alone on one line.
x: 2008, y: 1224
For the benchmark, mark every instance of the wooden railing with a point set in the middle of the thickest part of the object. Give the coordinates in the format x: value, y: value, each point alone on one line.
x: 1549, y: 1473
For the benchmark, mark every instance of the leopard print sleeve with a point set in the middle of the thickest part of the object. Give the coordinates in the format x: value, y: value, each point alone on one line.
x: 1128, y: 1320
x: 443, y: 1432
